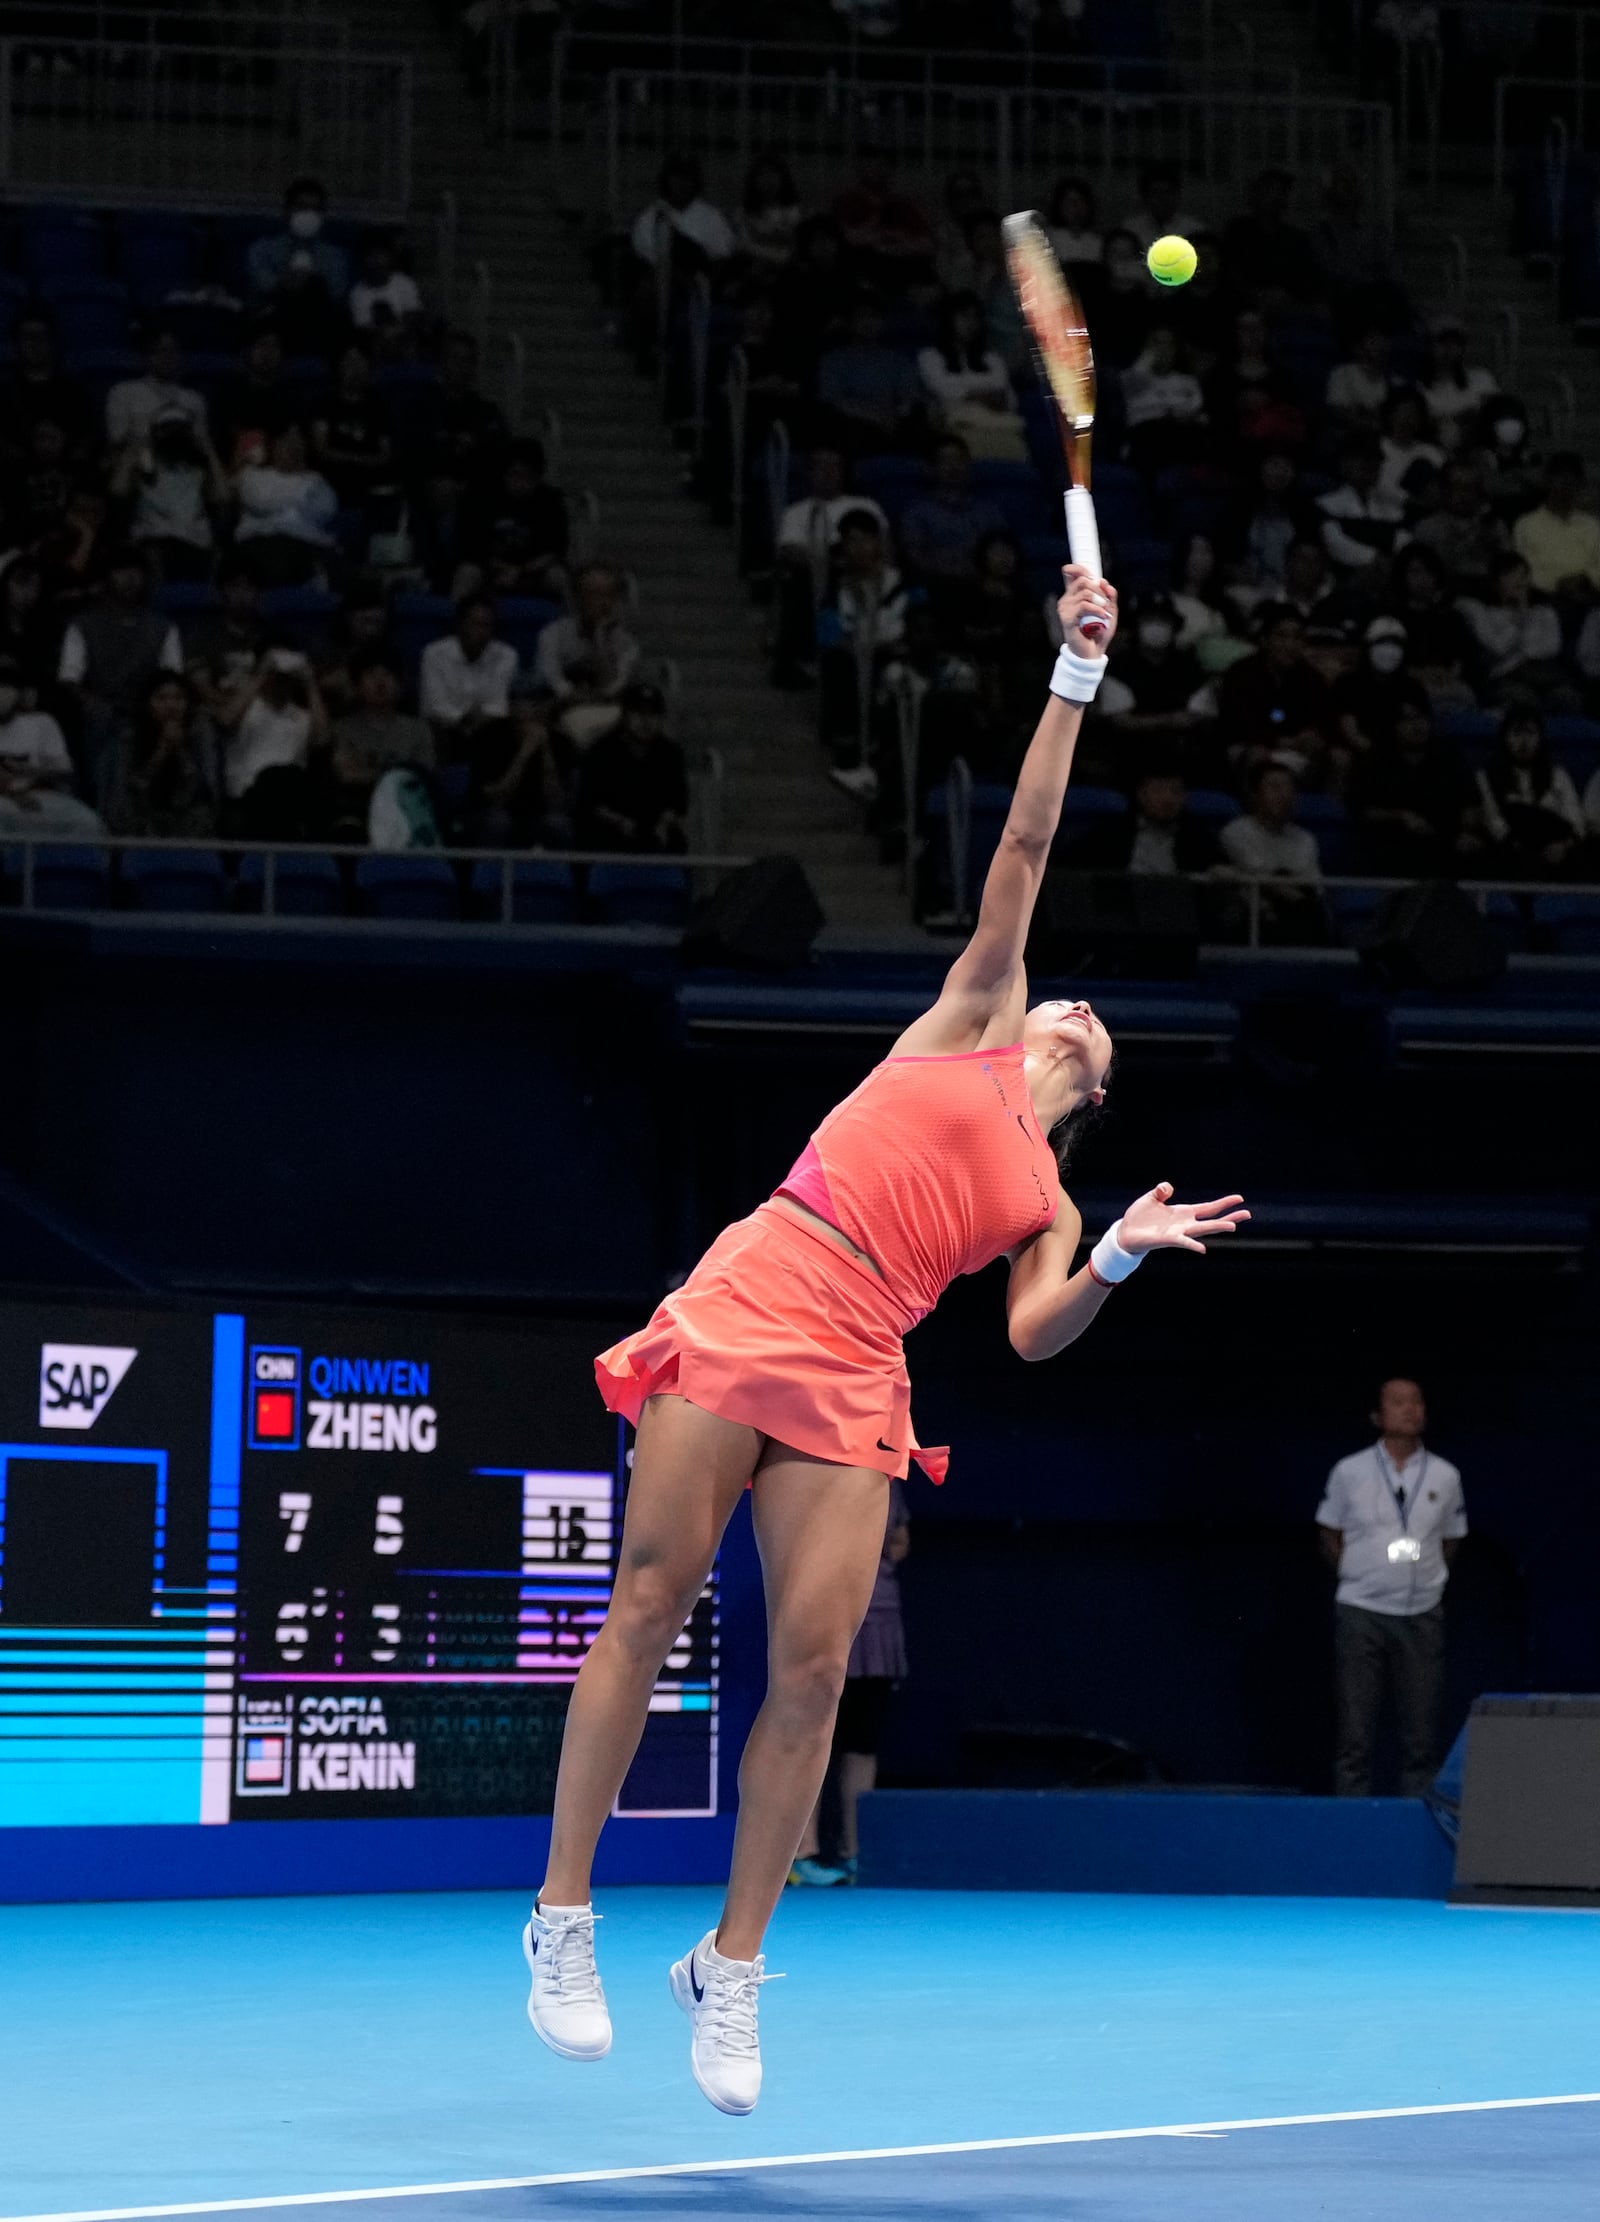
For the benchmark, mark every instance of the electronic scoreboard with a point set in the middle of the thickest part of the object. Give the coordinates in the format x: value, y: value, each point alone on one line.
x: 284, y: 1565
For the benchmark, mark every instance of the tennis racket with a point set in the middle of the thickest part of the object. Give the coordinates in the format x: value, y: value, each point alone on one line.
x: 1061, y: 348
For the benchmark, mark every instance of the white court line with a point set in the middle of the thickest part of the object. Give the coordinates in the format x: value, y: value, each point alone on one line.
x: 803, y: 2160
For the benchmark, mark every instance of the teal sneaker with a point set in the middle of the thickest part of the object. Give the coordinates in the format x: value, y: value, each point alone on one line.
x: 812, y: 1873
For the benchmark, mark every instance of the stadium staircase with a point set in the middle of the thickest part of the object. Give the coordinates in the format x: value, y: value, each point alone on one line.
x: 692, y: 606
x: 1451, y: 240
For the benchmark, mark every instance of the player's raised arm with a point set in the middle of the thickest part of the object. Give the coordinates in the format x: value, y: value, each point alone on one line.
x: 985, y: 990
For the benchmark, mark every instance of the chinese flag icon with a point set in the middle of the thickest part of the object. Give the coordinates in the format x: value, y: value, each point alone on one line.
x: 274, y: 1415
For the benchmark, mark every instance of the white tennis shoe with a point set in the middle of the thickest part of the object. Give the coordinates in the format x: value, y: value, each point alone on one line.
x: 567, y: 2004
x: 721, y: 1997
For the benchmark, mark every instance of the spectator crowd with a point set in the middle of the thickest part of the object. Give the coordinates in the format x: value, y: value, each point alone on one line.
x: 274, y: 566
x: 1361, y: 605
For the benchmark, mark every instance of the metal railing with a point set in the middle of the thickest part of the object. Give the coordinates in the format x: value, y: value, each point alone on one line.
x: 24, y: 855
x: 552, y: 93
x: 1554, y: 113
x: 1220, y: 140
x: 205, y: 126
x: 44, y: 26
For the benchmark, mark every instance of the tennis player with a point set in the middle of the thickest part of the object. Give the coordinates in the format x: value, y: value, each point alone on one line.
x: 780, y: 1361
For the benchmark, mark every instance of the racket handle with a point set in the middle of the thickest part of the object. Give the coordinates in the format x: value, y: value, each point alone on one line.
x: 1083, y: 538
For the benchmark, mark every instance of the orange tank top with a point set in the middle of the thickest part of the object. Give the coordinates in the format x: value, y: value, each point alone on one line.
x: 934, y: 1166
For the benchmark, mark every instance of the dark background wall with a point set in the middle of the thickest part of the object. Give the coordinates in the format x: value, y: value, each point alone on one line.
x: 1125, y: 1545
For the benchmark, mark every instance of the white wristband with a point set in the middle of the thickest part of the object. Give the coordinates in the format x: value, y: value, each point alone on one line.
x: 1076, y: 678
x: 1109, y: 1261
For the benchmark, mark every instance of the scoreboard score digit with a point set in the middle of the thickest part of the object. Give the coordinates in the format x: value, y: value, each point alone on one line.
x: 313, y: 1566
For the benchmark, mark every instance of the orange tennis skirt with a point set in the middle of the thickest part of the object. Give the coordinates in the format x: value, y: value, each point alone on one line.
x: 779, y: 1329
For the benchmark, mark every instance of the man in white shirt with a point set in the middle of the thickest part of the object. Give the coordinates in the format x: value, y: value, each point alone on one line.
x: 465, y: 679
x: 1390, y: 1522
x: 680, y: 212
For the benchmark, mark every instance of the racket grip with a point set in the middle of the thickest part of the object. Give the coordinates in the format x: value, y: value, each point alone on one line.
x: 1083, y: 538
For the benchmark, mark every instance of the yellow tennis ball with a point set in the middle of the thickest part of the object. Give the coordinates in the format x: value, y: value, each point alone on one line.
x: 1171, y: 261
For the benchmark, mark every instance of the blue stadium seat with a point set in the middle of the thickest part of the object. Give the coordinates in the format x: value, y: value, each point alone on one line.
x: 214, y: 328
x: 892, y: 481
x: 543, y: 891
x: 1507, y: 921
x: 182, y: 598
x: 70, y: 878
x: 415, y: 619
x: 408, y: 883
x: 98, y: 369
x: 1467, y: 728
x: 1326, y: 818
x: 1213, y: 803
x: 1145, y: 566
x: 1094, y: 802
x: 13, y: 293
x: 305, y: 884
x: 522, y: 620
x: 57, y: 244
x: 175, y: 879
x: 160, y: 254
x: 88, y: 312
x: 1353, y: 909
x: 302, y: 613
x: 638, y: 894
x: 1569, y: 924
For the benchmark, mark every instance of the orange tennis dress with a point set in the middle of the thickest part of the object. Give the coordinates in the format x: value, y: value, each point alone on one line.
x: 935, y: 1166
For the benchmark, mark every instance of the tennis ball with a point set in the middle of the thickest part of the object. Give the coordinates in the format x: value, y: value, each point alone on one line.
x: 1171, y: 261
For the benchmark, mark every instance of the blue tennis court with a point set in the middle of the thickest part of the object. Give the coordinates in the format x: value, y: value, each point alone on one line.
x: 1110, y: 2057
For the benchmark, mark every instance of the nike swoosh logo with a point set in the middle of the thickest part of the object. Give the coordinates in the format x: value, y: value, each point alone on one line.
x: 892, y: 1448
x: 699, y: 1989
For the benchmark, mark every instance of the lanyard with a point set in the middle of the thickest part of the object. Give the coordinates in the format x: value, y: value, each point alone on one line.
x: 1396, y: 1487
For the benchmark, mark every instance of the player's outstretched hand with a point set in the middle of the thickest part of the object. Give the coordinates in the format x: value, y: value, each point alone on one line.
x: 1082, y: 595
x: 1155, y: 1222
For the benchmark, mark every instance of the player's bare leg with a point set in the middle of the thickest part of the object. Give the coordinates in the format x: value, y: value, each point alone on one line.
x: 689, y: 1469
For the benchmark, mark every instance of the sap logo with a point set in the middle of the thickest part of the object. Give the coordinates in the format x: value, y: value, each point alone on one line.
x: 77, y: 1380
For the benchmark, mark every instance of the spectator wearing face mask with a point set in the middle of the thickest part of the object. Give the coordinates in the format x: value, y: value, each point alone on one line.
x: 1368, y: 698
x: 1162, y: 681
x: 287, y: 260
x: 1519, y: 640
x: 36, y: 794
